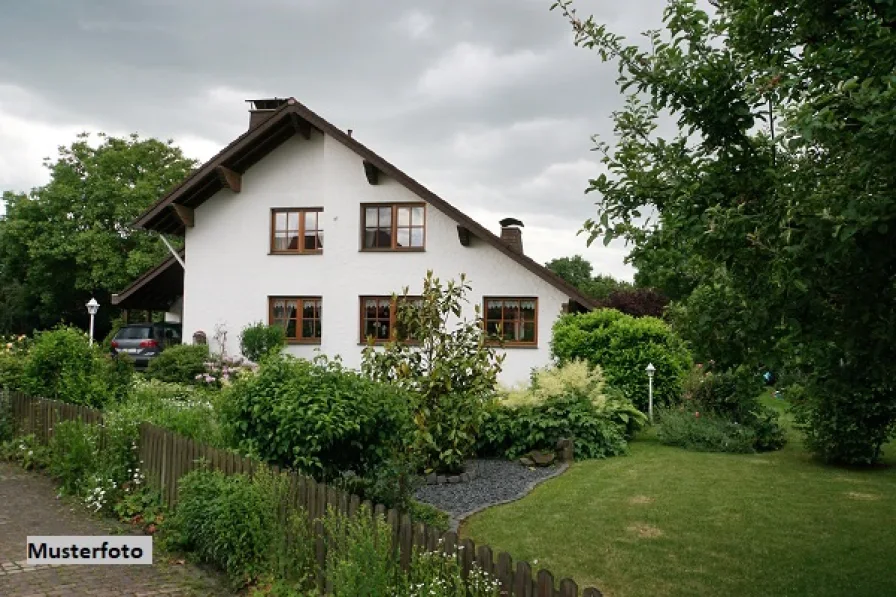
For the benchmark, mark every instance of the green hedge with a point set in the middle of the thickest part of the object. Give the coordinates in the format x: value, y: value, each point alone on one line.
x: 623, y: 346
x: 179, y: 364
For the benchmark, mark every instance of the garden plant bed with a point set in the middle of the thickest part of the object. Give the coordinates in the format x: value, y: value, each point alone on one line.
x: 498, y: 482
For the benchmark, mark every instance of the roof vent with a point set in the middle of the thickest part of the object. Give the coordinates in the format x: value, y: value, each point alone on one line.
x: 261, y: 109
x: 511, y: 234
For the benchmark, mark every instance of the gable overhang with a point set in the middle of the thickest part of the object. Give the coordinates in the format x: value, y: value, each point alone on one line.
x: 155, y: 290
x: 173, y: 213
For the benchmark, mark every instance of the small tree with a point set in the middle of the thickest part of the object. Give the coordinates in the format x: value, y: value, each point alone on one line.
x: 259, y: 339
x: 447, y: 365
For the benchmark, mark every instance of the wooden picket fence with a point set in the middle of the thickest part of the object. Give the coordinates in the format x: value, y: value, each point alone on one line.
x: 167, y: 456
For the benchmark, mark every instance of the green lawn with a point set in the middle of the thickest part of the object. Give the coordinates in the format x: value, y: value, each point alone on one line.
x: 665, y: 521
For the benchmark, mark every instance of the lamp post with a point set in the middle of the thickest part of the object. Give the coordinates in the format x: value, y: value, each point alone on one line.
x: 92, y: 308
x: 650, y: 371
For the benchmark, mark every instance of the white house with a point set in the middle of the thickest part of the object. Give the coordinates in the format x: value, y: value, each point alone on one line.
x: 297, y: 223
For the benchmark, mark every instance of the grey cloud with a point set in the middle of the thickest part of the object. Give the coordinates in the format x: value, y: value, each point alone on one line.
x: 179, y: 68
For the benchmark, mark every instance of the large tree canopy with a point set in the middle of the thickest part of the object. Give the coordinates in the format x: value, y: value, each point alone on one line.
x: 777, y: 192
x: 69, y: 240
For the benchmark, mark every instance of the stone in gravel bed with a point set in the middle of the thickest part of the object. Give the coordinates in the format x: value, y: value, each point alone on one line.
x: 498, y: 481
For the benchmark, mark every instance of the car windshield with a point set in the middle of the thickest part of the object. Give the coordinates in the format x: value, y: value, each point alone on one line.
x: 133, y: 333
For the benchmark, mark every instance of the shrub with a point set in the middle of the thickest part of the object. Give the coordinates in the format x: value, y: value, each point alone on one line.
x: 181, y: 408
x: 571, y: 401
x: 13, y: 352
x: 179, y: 364
x: 230, y: 522
x: 623, y: 346
x: 637, y: 302
x: 361, y: 559
x: 704, y: 433
x: 74, y: 446
x: 259, y: 339
x: 317, y: 417
x: 61, y: 365
x: 429, y: 515
x: 450, y: 369
x: 437, y: 574
x: 734, y: 396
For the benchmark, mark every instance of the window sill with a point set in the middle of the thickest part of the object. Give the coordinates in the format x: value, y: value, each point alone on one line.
x: 303, y: 342
x: 295, y: 252
x: 510, y: 345
x: 402, y: 250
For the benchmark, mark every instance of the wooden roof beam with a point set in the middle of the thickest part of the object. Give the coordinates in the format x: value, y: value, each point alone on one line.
x: 463, y: 235
x: 372, y: 173
x: 230, y: 179
x: 184, y: 214
x: 301, y: 126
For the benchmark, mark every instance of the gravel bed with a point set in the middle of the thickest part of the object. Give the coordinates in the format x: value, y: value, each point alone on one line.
x: 499, y: 482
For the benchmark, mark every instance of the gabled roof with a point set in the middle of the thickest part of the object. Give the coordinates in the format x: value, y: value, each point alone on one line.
x: 156, y: 289
x: 294, y: 118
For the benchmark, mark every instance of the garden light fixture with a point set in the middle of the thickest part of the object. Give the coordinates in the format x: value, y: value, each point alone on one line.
x: 650, y: 371
x: 92, y: 308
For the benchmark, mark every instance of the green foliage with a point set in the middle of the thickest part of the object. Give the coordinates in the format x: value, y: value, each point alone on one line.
x: 74, y: 447
x: 437, y: 574
x: 429, y: 515
x: 65, y: 242
x: 452, y: 372
x: 183, y: 364
x: 623, y: 346
x: 318, y: 417
x: 13, y: 352
x: 229, y: 521
x: 62, y: 366
x: 361, y: 560
x: 734, y: 396
x: 704, y: 433
x: 787, y: 229
x: 571, y: 401
x: 27, y: 451
x: 259, y: 339
x: 577, y: 271
x: 6, y: 421
x: 184, y: 409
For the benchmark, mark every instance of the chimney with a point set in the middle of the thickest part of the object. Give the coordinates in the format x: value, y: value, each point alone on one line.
x: 511, y: 234
x: 261, y: 109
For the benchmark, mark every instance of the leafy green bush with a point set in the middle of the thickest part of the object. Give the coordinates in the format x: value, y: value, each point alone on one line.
x: 229, y: 521
x: 734, y: 396
x: 437, y: 574
x: 448, y: 366
x: 571, y: 401
x: 6, y: 420
x: 704, y: 433
x: 429, y: 515
x: 27, y: 451
x: 361, y: 559
x: 259, y: 339
x: 182, y: 408
x: 62, y: 365
x: 13, y: 352
x: 623, y: 346
x: 74, y: 446
x: 318, y: 417
x: 183, y: 363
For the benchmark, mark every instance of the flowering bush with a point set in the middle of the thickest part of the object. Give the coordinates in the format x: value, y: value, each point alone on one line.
x: 704, y: 432
x: 221, y: 371
x: 13, y: 351
x: 27, y: 451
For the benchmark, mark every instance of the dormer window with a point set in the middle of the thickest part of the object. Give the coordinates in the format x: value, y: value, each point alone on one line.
x: 297, y: 231
x: 393, y: 227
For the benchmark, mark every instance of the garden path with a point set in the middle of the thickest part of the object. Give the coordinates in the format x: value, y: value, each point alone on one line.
x: 28, y: 506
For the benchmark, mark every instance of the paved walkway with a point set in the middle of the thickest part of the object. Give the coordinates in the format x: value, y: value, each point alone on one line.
x: 28, y: 506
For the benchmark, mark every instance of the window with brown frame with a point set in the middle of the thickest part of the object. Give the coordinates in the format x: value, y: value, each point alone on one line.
x: 512, y: 320
x: 378, y: 318
x: 393, y: 227
x: 300, y: 317
x: 297, y: 231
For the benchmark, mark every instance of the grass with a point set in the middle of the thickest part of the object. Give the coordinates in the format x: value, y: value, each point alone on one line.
x: 667, y: 522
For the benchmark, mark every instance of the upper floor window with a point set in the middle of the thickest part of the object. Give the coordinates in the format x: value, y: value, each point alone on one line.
x: 297, y: 230
x: 300, y: 317
x: 378, y: 318
x: 513, y: 320
x: 393, y: 226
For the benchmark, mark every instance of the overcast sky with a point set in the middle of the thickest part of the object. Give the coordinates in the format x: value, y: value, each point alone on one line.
x: 486, y: 102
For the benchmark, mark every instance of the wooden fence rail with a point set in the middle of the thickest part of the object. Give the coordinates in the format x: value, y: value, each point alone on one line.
x: 167, y: 456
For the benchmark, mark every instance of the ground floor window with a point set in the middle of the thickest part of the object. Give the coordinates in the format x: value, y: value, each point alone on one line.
x: 378, y: 318
x: 299, y: 316
x: 512, y: 320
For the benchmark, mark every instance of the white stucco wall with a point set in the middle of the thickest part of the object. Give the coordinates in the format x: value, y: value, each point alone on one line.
x: 230, y: 273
